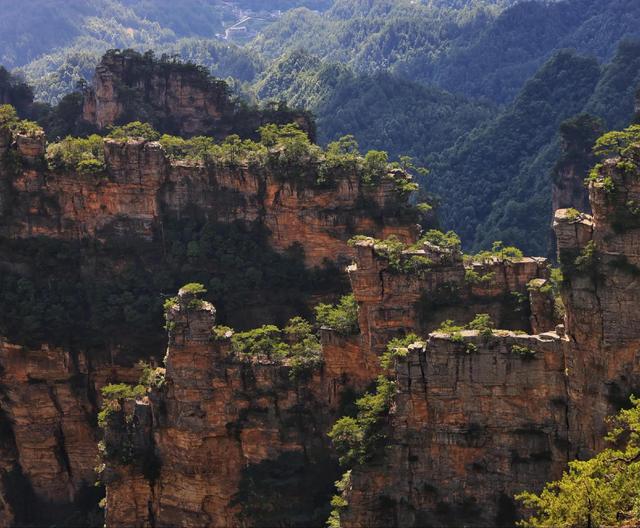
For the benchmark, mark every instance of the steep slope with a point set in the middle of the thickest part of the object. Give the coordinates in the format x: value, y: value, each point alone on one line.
x: 95, y: 231
x: 471, y: 416
x: 462, y: 417
x: 483, y: 166
x: 383, y: 111
x: 514, y: 155
x: 470, y: 48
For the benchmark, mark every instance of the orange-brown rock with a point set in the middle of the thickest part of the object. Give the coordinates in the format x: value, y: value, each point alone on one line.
x: 176, y: 98
x: 48, y: 436
x: 468, y: 430
x: 394, y: 303
x: 237, y: 441
x: 478, y: 419
x: 142, y: 187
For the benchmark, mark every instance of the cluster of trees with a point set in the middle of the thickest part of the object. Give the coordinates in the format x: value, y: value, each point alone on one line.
x: 491, y: 167
x: 601, y: 491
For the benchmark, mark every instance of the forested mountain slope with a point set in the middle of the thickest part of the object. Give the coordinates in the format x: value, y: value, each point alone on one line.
x: 479, y: 50
x: 507, y: 163
x: 473, y: 89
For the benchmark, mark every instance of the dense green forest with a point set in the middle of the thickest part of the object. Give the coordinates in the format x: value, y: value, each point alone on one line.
x: 474, y: 89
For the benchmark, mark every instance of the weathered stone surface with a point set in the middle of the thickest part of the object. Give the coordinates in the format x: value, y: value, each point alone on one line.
x: 177, y: 98
x: 472, y: 426
x: 48, y: 438
x: 393, y: 303
x: 217, y: 423
x: 468, y: 430
x: 178, y: 94
x: 142, y: 188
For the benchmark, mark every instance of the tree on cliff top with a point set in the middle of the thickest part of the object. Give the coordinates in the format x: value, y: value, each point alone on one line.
x: 602, y: 491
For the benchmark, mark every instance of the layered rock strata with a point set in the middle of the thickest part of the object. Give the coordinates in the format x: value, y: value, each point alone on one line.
x: 50, y: 398
x: 174, y: 97
x: 393, y: 303
x: 236, y: 441
x: 207, y: 408
x: 141, y: 188
x: 50, y: 395
x: 477, y: 419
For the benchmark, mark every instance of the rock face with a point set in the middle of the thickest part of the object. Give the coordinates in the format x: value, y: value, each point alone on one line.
x: 176, y: 98
x: 48, y: 438
x: 467, y: 432
x: 471, y: 426
x: 393, y: 303
x: 568, y: 190
x: 236, y: 441
x: 141, y: 188
x: 209, y: 404
x: 50, y: 395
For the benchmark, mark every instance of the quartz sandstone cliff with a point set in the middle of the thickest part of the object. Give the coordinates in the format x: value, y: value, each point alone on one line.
x: 141, y: 187
x: 176, y: 98
x: 474, y: 420
x: 50, y: 396
x: 472, y: 426
x: 207, y: 408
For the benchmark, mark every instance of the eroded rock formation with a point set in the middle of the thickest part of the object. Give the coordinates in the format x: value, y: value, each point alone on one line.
x: 51, y: 394
x: 141, y: 188
x: 176, y: 98
x: 476, y: 417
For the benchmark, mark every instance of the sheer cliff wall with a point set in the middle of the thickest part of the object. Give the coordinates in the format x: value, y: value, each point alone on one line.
x: 471, y: 426
x: 51, y: 394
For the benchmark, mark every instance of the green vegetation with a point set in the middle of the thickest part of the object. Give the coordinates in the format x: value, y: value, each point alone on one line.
x: 296, y: 345
x: 573, y: 215
x: 481, y: 323
x: 523, y: 352
x: 9, y: 120
x: 338, y: 503
x: 84, y: 155
x: 498, y: 251
x: 602, y: 491
x: 358, y: 439
x: 266, y: 340
x: 473, y: 277
x: 15, y: 92
x: 341, y: 317
x: 619, y: 144
x: 491, y: 142
x: 74, y: 294
x: 586, y: 261
x: 113, y: 395
x: 449, y: 240
x: 491, y: 166
x: 397, y: 347
x: 402, y: 257
x: 222, y: 332
x: 399, y: 256
x: 134, y: 130
x: 151, y: 377
x: 194, y: 288
x: 484, y: 198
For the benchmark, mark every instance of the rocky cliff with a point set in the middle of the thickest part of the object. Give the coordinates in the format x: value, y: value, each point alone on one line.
x: 479, y: 417
x: 232, y: 432
x: 141, y: 187
x: 175, y: 97
x: 85, y: 261
x: 237, y: 440
x: 476, y: 415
